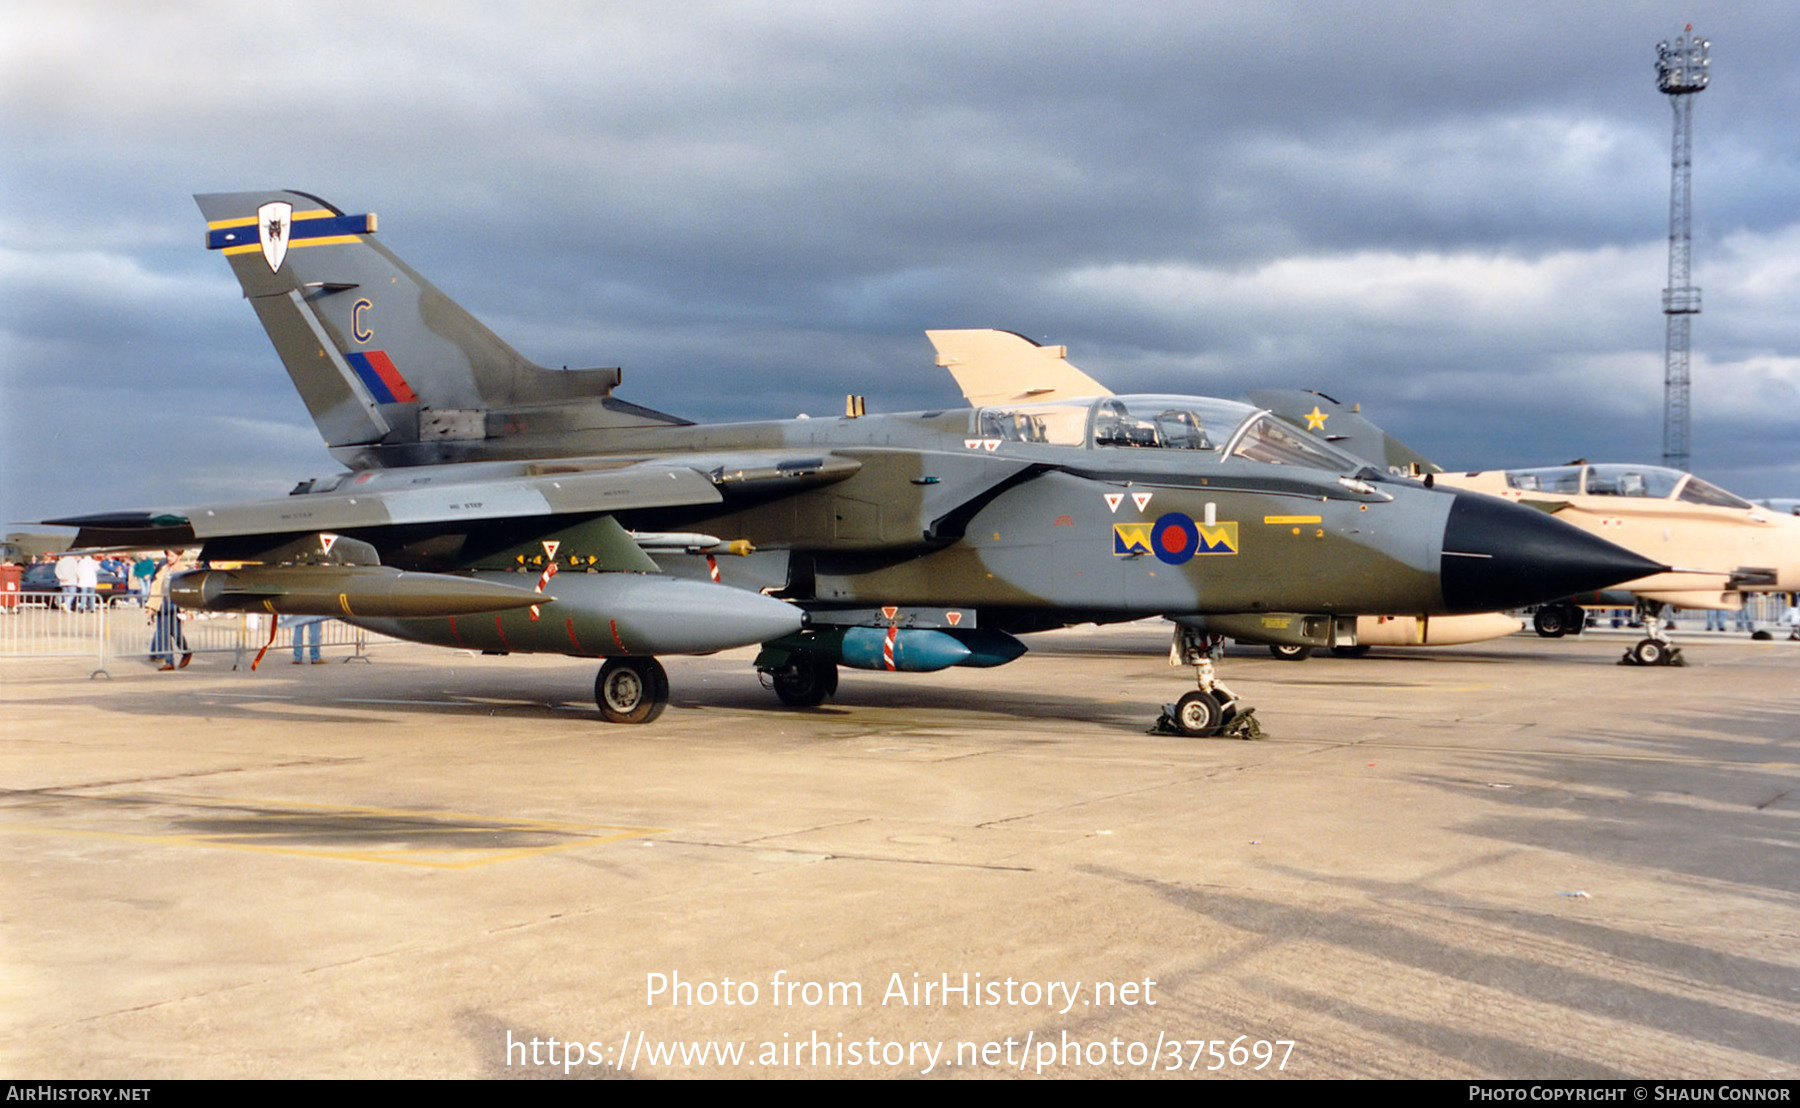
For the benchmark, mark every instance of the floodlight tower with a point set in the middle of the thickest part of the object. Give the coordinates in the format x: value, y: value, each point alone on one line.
x: 1681, y: 70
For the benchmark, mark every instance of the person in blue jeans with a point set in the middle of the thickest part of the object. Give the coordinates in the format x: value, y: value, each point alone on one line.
x: 166, y: 637
x: 312, y: 629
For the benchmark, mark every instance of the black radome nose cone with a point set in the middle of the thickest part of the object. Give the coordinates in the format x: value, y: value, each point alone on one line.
x: 1499, y: 556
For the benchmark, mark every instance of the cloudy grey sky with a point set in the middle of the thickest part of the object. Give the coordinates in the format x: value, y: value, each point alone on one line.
x: 1453, y: 213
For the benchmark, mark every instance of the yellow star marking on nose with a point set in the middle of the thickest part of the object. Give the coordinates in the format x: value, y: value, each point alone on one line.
x: 1315, y: 419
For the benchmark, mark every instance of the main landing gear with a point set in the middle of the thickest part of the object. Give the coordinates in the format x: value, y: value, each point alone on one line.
x: 1212, y: 709
x: 806, y: 680
x: 631, y: 690
x: 1657, y: 649
x: 636, y: 689
x: 1553, y: 621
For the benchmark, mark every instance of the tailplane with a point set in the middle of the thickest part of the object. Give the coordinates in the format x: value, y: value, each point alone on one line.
x: 393, y: 371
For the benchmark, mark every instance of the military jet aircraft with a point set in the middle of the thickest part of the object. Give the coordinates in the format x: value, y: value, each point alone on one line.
x: 1720, y: 546
x: 493, y: 504
x: 992, y: 366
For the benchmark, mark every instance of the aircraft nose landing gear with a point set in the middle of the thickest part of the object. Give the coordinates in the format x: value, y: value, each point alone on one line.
x: 1657, y: 649
x: 1212, y: 709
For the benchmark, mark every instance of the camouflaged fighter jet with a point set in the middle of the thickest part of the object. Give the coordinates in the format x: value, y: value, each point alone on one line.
x: 998, y: 367
x: 1720, y: 546
x: 493, y: 504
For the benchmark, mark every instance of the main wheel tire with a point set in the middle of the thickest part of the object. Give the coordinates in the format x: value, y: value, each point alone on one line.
x: 631, y: 690
x: 1551, y: 621
x: 1649, y: 652
x: 1356, y: 651
x: 1289, y: 653
x: 1198, y: 714
x: 806, y: 681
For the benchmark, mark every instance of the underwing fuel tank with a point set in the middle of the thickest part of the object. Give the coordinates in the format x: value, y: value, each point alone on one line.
x: 343, y: 591
x: 608, y: 615
x: 1434, y: 630
x: 909, y: 649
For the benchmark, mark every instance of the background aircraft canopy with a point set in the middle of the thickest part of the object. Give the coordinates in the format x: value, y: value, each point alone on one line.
x: 1696, y: 491
x: 1647, y: 482
x: 1219, y: 428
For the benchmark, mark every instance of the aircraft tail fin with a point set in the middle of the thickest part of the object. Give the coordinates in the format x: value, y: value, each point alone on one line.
x: 1000, y: 367
x: 1343, y: 426
x: 393, y: 371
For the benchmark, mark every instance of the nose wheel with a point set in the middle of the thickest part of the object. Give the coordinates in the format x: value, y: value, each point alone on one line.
x: 1198, y: 714
x: 1658, y: 649
x: 1653, y: 652
x: 1212, y: 710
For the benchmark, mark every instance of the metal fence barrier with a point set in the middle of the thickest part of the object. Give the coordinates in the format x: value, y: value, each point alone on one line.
x: 1764, y: 609
x: 38, y: 625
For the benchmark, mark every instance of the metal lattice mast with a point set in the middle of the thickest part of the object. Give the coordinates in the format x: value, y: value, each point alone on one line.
x: 1681, y: 70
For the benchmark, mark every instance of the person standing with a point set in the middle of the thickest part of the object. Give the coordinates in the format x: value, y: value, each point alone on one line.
x: 312, y: 629
x: 87, y: 582
x: 1745, y: 621
x: 65, y: 580
x: 142, y: 571
x: 165, y: 617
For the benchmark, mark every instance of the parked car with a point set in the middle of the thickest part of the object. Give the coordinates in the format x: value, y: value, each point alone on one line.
x: 40, y: 577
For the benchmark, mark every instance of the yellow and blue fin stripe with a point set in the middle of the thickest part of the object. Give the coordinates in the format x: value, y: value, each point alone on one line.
x: 314, y: 228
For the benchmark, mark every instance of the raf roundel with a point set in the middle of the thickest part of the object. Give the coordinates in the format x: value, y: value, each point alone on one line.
x: 1174, y: 538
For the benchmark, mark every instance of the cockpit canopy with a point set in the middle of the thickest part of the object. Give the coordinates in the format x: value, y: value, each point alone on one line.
x: 1647, y: 482
x: 1211, y: 428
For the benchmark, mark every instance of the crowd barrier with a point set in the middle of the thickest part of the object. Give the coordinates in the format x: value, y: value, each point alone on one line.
x: 1764, y: 609
x: 37, y: 625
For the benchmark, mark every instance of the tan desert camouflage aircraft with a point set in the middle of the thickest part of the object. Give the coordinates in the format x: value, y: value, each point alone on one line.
x: 1719, y: 545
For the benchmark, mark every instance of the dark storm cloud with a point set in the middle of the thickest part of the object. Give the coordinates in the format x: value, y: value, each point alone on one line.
x: 1455, y: 214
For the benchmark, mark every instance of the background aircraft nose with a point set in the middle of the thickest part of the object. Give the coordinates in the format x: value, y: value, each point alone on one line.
x: 1499, y: 555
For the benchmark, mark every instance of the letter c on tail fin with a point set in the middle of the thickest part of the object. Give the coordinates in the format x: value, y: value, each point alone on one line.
x: 392, y: 371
